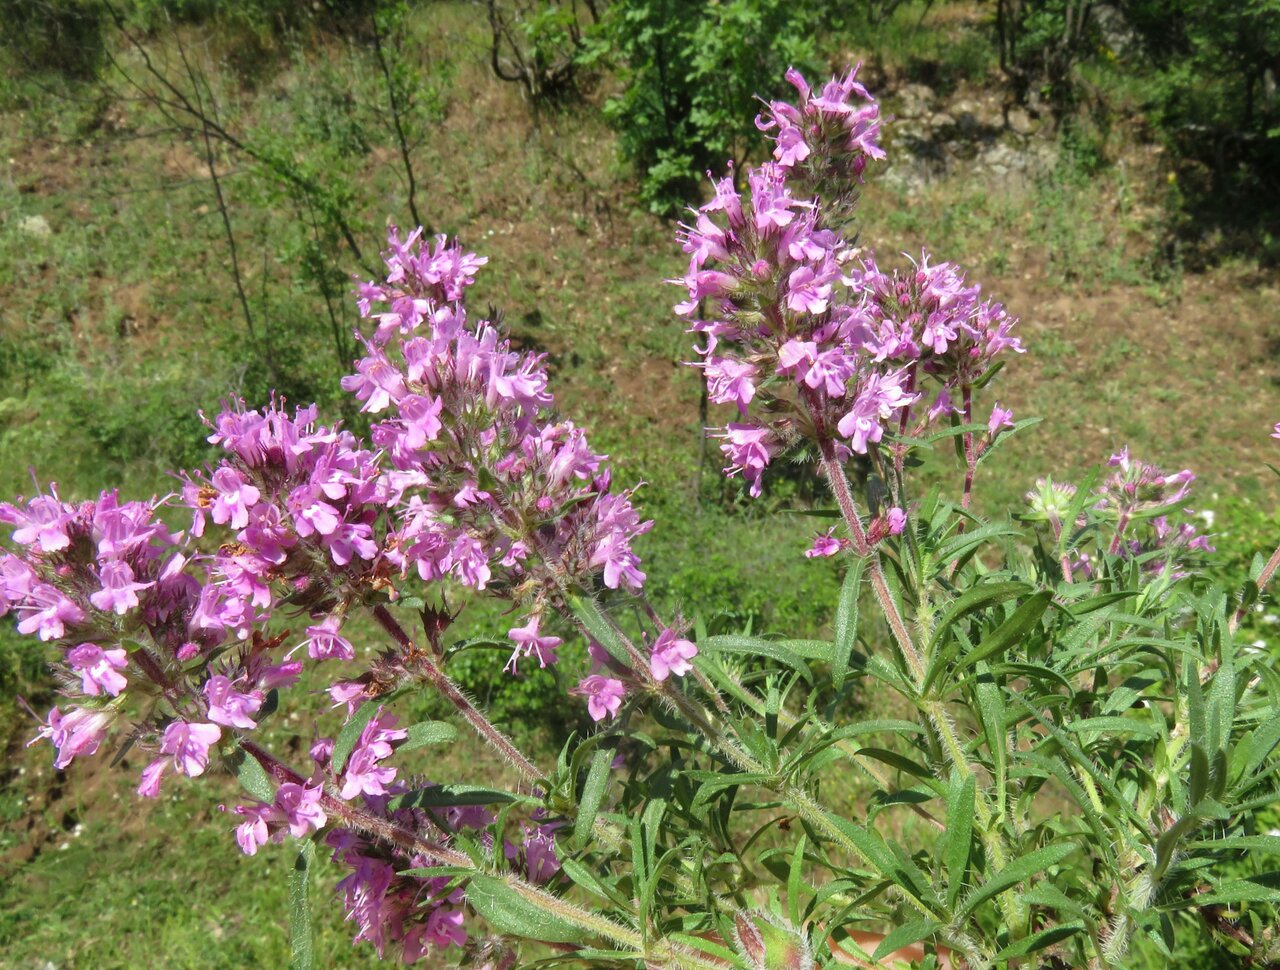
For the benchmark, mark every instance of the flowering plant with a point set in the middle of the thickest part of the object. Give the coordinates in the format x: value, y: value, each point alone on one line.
x: 1079, y: 752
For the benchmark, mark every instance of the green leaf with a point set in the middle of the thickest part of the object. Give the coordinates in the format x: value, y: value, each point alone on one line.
x: 1051, y: 897
x: 507, y: 911
x: 912, y: 932
x: 593, y: 790
x: 1221, y: 701
x: 584, y: 877
x: 252, y: 776
x: 986, y: 594
x: 1038, y: 941
x: 758, y: 647
x: 1261, y: 843
x: 965, y: 544
x: 300, y: 908
x: 961, y: 798
x: 1020, y: 869
x: 428, y: 732
x: 1114, y: 725
x: 346, y: 740
x: 592, y: 616
x: 1264, y: 888
x: 846, y: 622
x: 795, y: 880
x: 1005, y: 435
x: 447, y: 796
x: 992, y: 711
x: 1010, y: 631
x: 983, y: 594
x: 436, y: 872
x: 899, y: 761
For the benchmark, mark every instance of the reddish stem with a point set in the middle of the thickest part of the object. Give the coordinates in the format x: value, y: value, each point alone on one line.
x: 1264, y: 577
x: 839, y: 485
x: 970, y: 459
x: 438, y: 679
x: 381, y: 828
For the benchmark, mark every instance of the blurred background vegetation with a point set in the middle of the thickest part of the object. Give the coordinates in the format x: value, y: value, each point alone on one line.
x: 188, y: 187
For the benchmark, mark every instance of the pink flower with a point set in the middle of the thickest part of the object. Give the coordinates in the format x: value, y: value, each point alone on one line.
x: 444, y: 926
x: 825, y: 544
x: 324, y: 643
x: 47, y: 612
x: 149, y: 786
x: 311, y: 514
x: 252, y: 833
x: 1275, y: 432
x: 42, y: 524
x: 235, y: 498
x: 604, y: 695
x: 119, y: 592
x: 880, y: 396
x: 229, y: 707
x: 671, y: 656
x: 98, y: 668
x: 363, y: 774
x: 299, y: 808
x: 541, y: 861
x: 75, y: 734
x: 729, y: 381
x: 941, y: 406
x: 16, y: 581
x: 189, y: 744
x: 1000, y: 418
x: 897, y: 520
x: 421, y: 417
x: 809, y: 291
x: 529, y: 644
x: 749, y: 449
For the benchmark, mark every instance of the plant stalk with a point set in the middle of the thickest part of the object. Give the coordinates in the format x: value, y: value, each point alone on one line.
x: 438, y: 679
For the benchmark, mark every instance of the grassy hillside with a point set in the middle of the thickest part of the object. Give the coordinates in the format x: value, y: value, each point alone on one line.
x: 120, y: 320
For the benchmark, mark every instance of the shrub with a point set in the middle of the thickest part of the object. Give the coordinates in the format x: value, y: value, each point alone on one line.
x: 691, y: 73
x: 1073, y: 749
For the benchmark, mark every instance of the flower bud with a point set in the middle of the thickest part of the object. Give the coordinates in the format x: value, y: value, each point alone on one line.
x: 1050, y: 501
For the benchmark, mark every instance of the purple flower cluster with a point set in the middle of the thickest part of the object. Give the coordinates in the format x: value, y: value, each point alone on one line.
x: 1137, y: 504
x: 488, y: 486
x: 390, y: 906
x: 805, y: 336
x: 1136, y: 499
x: 130, y: 608
x: 304, y: 502
x: 173, y: 640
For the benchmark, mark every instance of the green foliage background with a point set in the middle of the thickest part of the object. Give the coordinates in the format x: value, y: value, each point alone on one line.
x: 122, y: 321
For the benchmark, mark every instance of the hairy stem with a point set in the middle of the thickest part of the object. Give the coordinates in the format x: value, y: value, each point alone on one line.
x: 438, y: 679
x: 839, y: 485
x: 1264, y: 577
x: 660, y: 953
x: 970, y: 459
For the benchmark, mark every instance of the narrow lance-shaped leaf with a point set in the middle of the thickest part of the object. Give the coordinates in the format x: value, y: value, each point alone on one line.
x: 846, y: 622
x: 428, y: 732
x: 1010, y: 631
x: 1017, y: 871
x: 905, y: 935
x: 300, y: 907
x: 961, y: 796
x: 252, y: 776
x: 592, y: 795
x: 503, y: 908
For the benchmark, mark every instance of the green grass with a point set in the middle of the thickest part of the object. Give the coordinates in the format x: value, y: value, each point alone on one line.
x: 123, y: 321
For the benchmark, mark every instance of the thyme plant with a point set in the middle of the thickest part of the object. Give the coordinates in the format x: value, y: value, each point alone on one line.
x: 1072, y: 750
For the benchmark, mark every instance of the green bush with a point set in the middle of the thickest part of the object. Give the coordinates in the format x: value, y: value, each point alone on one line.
x: 692, y: 72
